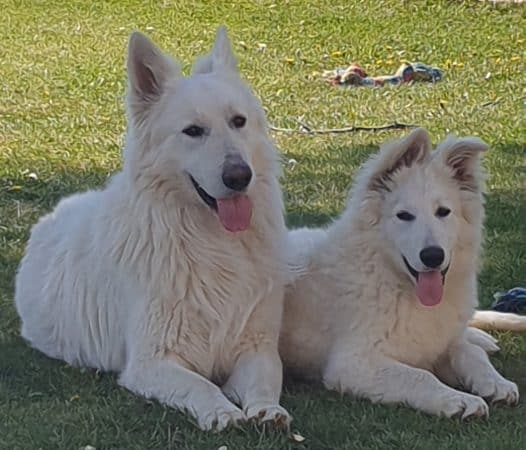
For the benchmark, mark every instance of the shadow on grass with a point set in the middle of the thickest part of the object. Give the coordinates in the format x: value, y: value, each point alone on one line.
x: 315, y: 189
x: 504, y: 256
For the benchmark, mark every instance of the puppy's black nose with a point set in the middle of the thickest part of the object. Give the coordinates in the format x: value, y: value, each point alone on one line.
x: 236, y: 173
x: 432, y: 256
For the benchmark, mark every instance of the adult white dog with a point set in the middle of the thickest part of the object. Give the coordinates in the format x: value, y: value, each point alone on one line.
x: 173, y: 274
x: 382, y: 305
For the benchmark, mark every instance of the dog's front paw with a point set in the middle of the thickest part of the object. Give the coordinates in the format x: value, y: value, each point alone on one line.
x: 498, y: 390
x: 274, y: 415
x: 464, y: 406
x: 221, y: 418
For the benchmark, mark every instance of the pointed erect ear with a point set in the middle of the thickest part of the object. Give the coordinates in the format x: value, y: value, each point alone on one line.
x: 222, y: 54
x: 462, y: 157
x: 149, y: 70
x: 412, y: 149
x: 221, y: 58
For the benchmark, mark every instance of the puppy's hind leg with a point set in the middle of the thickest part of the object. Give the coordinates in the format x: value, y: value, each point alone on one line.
x: 178, y: 387
x: 484, y: 340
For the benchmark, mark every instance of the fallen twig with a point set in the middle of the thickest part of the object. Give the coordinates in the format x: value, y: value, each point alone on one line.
x: 491, y: 103
x: 305, y: 129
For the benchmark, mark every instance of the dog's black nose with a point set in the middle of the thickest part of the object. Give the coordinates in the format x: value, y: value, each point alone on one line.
x: 432, y: 257
x: 236, y: 173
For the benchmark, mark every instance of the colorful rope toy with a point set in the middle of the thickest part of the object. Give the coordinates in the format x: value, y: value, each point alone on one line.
x: 354, y: 75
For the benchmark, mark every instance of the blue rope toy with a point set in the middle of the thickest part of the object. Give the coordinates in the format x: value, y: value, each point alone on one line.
x: 512, y: 301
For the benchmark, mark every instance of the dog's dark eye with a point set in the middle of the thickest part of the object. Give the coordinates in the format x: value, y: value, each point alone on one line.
x: 404, y: 215
x: 442, y: 212
x: 238, y: 121
x: 194, y: 131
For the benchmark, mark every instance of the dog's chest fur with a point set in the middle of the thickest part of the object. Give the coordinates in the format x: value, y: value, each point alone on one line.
x: 202, y: 285
x: 417, y: 335
x: 383, y: 314
x: 211, y: 304
x: 356, y: 305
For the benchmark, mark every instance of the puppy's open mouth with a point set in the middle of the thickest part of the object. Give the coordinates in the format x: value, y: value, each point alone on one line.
x: 208, y: 199
x: 416, y: 274
x: 234, y: 211
x: 429, y: 284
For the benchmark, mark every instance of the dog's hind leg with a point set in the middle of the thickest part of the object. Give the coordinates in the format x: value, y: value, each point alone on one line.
x: 385, y: 380
x: 484, y: 340
x: 470, y: 366
x: 178, y: 387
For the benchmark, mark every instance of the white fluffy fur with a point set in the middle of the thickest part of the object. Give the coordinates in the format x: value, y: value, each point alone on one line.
x: 352, y: 318
x: 141, y: 278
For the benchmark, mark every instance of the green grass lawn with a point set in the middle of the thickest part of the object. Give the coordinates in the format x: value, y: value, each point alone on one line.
x: 62, y: 82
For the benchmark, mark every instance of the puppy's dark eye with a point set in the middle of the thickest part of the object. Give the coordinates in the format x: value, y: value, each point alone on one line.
x: 405, y: 216
x: 238, y: 121
x: 194, y: 131
x: 442, y: 212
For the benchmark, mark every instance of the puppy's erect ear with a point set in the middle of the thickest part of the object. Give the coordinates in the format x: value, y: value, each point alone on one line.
x: 221, y: 58
x: 462, y: 157
x: 374, y: 180
x: 149, y: 71
x: 412, y: 149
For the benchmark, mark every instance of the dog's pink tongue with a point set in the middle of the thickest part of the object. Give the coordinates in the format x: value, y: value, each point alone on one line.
x: 235, y: 212
x: 429, y: 288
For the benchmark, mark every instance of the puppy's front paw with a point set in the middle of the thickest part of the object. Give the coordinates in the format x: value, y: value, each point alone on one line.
x: 273, y: 415
x: 464, y: 406
x: 498, y: 390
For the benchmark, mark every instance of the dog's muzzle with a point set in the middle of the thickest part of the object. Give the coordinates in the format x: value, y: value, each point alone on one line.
x: 236, y: 173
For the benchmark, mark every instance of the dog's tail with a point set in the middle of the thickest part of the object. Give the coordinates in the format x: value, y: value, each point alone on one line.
x: 493, y: 320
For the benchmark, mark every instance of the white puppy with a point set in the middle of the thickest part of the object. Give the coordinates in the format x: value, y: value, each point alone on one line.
x: 382, y: 302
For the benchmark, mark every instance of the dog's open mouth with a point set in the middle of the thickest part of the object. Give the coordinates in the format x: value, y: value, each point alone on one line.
x: 429, y: 284
x: 234, y: 212
x: 208, y: 199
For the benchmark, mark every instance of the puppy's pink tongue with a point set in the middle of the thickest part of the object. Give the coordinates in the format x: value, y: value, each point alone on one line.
x: 429, y: 288
x: 235, y: 212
